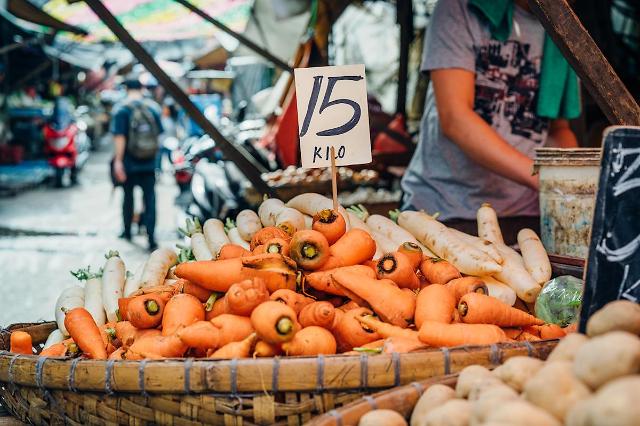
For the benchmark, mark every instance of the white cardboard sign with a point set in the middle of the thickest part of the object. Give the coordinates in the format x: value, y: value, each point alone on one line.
x: 332, y: 111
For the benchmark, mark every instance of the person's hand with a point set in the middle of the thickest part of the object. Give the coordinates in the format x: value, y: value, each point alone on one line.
x: 118, y: 171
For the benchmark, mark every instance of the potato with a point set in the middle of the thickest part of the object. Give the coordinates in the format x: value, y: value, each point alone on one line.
x: 468, y: 376
x: 567, y: 347
x: 488, y: 400
x: 517, y: 370
x: 478, y: 387
x: 555, y: 389
x: 619, y: 315
x: 433, y: 397
x: 521, y: 413
x: 579, y: 413
x: 382, y: 418
x: 607, y: 357
x: 617, y: 403
x: 455, y: 412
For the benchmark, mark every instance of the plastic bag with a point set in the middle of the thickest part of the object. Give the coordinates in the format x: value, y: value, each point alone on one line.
x: 559, y: 301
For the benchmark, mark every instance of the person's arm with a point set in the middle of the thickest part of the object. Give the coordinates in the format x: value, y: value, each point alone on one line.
x: 561, y: 135
x: 454, y: 92
x: 119, y: 146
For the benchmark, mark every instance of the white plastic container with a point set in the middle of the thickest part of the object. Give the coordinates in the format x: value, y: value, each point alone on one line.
x: 568, y: 187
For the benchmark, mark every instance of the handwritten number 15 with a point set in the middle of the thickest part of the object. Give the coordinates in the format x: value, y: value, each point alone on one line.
x: 326, y: 103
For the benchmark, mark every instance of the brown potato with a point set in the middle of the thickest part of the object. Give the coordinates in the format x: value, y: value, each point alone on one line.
x: 567, y: 348
x: 617, y: 403
x: 516, y: 371
x: 382, y: 418
x: 433, y: 397
x: 621, y: 315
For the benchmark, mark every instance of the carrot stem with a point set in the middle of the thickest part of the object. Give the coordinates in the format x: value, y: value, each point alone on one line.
x: 284, y: 325
x: 274, y: 248
x: 152, y: 307
x: 327, y: 216
x: 309, y: 251
x: 208, y: 306
x: 374, y: 351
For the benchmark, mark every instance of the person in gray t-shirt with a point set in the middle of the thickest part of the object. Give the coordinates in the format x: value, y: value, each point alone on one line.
x: 480, y: 129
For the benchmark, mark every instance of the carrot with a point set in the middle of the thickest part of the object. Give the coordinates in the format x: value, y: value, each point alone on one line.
x: 413, y: 252
x: 438, y: 271
x: 329, y: 223
x: 309, y: 249
x: 21, y: 343
x: 244, y: 296
x: 295, y: 301
x: 155, y: 347
x: 241, y: 349
x: 435, y: 302
x: 277, y: 245
x: 274, y: 322
x: 85, y: 332
x: 145, y: 311
x: 354, y: 247
x: 311, y: 340
x: 181, y: 310
x: 233, y: 328
x: 401, y: 344
x: 260, y: 249
x: 219, y: 307
x: 439, y: 334
x: 186, y: 286
x: 398, y: 268
x: 527, y: 337
x: 118, y: 354
x: 351, y: 333
x: 387, y: 300
x: 349, y: 306
x: 57, y: 350
x: 277, y: 271
x: 385, y: 330
x: 475, y: 308
x: 200, y: 335
x: 319, y: 314
x: 231, y: 251
x: 512, y: 332
x: 267, y: 233
x: 551, y: 331
x: 321, y: 280
x: 264, y: 349
x: 123, y: 308
x: 462, y: 286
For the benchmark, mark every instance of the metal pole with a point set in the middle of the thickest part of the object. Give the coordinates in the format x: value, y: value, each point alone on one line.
x: 404, y: 16
x: 245, y: 162
x: 242, y: 39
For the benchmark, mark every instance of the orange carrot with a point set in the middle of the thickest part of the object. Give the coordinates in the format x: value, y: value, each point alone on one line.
x: 349, y: 306
x: 351, y: 333
x: 329, y: 223
x: 85, y: 332
x: 311, y: 340
x: 244, y: 296
x: 241, y: 349
x: 267, y: 233
x: 155, y: 347
x: 186, y: 286
x: 259, y: 249
x: 512, y: 332
x: 309, y: 249
x: 277, y: 245
x: 435, y: 302
x: 123, y: 308
x: 200, y: 335
x: 233, y: 328
x: 181, y: 310
x: 551, y: 331
x: 398, y: 268
x: 387, y: 300
x: 21, y: 343
x: 145, y: 311
x: 56, y: 350
x: 219, y: 307
x: 440, y: 334
x: 320, y: 314
x: 125, y: 332
x: 321, y: 280
x: 371, y: 264
x: 295, y: 301
x: 571, y: 328
x: 264, y: 349
x: 118, y: 354
x: 401, y: 345
x: 387, y: 330
x: 475, y: 308
x: 462, y: 286
x: 231, y: 251
x: 438, y: 271
x: 527, y: 337
x: 274, y: 322
x: 354, y: 247
x: 413, y: 252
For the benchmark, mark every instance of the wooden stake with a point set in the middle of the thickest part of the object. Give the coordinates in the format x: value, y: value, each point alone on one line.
x: 334, y: 179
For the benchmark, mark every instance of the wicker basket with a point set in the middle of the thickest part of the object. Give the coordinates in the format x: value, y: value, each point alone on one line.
x: 288, y: 390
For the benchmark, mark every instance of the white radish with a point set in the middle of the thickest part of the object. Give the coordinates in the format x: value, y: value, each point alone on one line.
x: 132, y: 283
x: 234, y: 236
x: 269, y: 210
x: 157, y: 266
x: 72, y: 297
x: 500, y: 290
x: 215, y: 235
x: 308, y: 221
x: 356, y: 222
x: 56, y: 336
x: 113, y: 278
x: 488, y: 227
x: 291, y: 216
x: 534, y: 255
x: 446, y: 245
x: 392, y: 231
x: 93, y: 299
x: 248, y: 223
x: 199, y: 247
x: 385, y: 244
x: 311, y: 203
x: 481, y: 244
x: 515, y: 275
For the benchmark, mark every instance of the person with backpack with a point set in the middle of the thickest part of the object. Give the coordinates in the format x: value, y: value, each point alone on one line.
x: 136, y: 127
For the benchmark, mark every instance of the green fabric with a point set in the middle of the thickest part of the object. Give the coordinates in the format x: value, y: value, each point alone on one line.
x: 556, y: 76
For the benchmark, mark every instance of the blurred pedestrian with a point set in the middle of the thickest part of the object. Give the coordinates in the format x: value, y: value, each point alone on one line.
x: 136, y: 127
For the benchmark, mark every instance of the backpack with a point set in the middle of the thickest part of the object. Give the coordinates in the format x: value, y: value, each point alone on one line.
x: 142, y: 142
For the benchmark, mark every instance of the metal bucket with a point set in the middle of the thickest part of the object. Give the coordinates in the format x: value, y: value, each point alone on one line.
x: 568, y: 186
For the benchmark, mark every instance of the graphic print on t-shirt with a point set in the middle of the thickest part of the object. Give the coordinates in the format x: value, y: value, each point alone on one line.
x: 506, y: 89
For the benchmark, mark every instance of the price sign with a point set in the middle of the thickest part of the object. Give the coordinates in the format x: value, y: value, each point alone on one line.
x: 613, y: 268
x: 332, y: 112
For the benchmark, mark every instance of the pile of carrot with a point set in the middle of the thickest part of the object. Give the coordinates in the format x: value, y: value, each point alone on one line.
x: 308, y: 280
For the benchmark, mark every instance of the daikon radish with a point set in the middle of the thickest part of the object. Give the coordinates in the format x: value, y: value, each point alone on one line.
x: 499, y: 290
x: 113, y: 277
x: 132, y: 283
x: 215, y: 235
x: 384, y: 243
x: 157, y: 266
x: 394, y: 232
x: 534, y: 255
x: 356, y: 221
x: 308, y: 221
x: 199, y: 247
x: 290, y: 217
x: 72, y: 297
x: 93, y: 299
x: 56, y: 336
x: 311, y: 203
x: 488, y: 227
x: 233, y: 233
x: 515, y: 275
x: 248, y: 223
x: 438, y: 238
x: 269, y: 210
x: 483, y: 245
